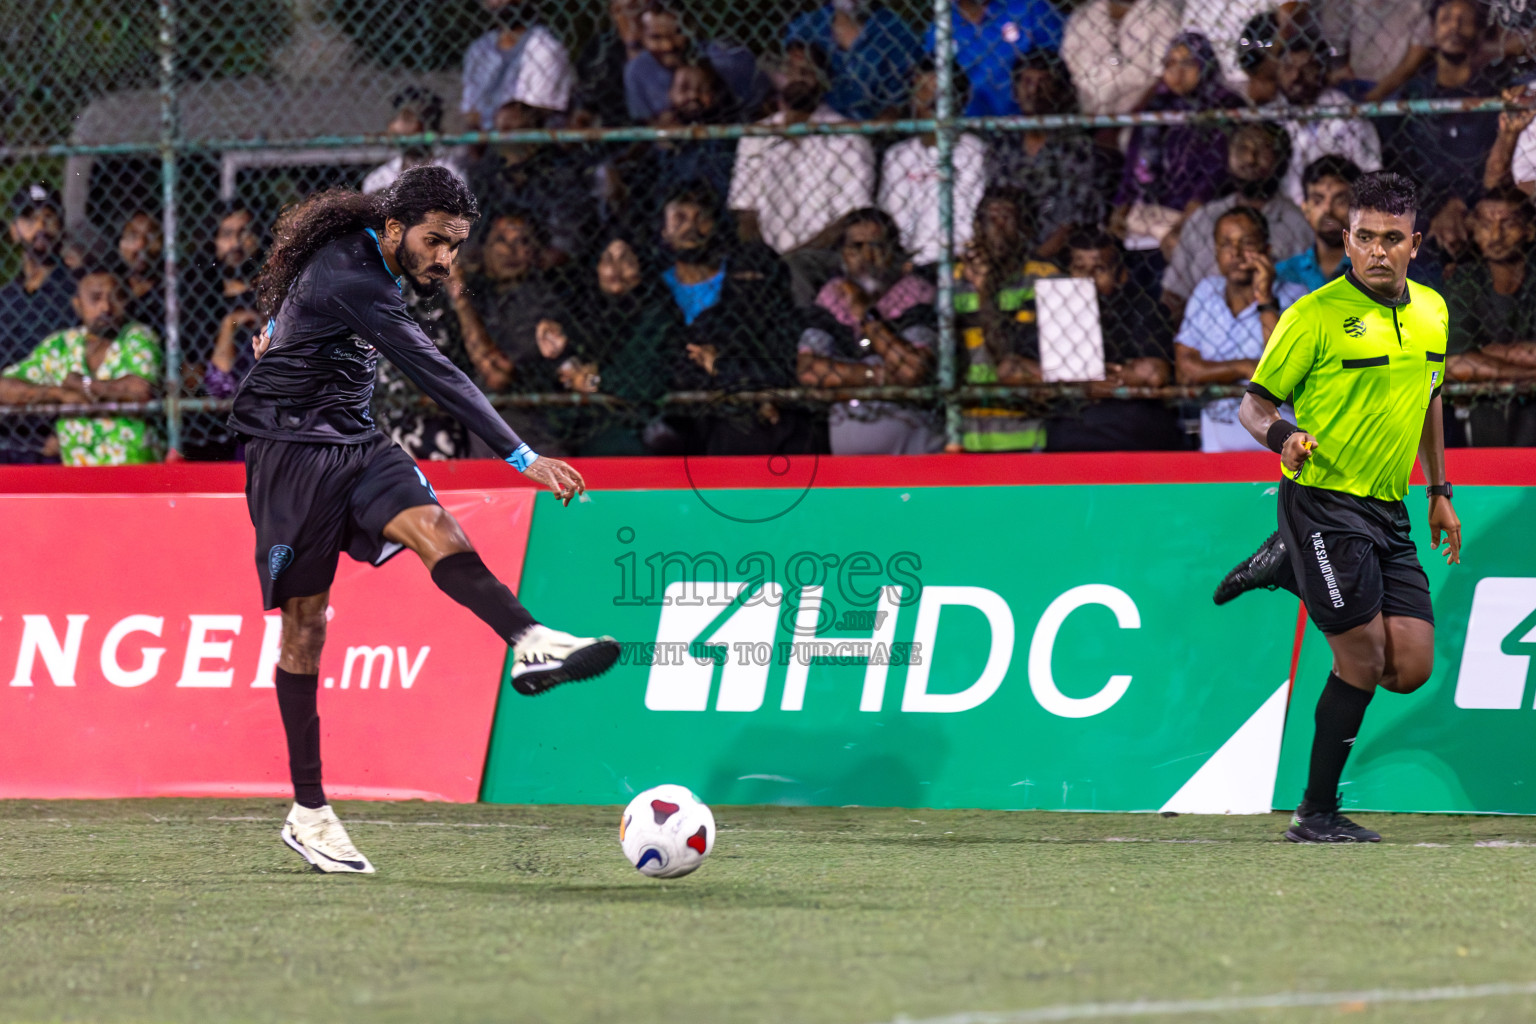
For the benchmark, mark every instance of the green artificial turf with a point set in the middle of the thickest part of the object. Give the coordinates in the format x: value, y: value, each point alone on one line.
x: 192, y: 910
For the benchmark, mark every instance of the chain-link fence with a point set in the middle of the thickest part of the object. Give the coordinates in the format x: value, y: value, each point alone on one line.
x: 764, y: 227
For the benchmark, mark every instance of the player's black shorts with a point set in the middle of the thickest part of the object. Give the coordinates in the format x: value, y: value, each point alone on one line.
x: 1353, y: 557
x: 310, y: 502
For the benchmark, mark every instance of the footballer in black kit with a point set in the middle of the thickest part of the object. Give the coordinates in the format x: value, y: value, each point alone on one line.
x: 322, y: 479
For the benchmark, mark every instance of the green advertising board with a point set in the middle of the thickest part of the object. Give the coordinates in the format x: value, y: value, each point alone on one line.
x: 1462, y: 742
x: 999, y: 647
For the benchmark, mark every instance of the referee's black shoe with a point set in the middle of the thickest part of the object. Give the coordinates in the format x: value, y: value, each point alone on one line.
x: 1312, y: 824
x: 1263, y: 568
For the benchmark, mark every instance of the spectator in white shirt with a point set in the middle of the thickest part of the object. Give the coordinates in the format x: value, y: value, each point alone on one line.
x: 517, y: 57
x: 792, y: 191
x: 417, y: 111
x: 909, y: 177
x: 1114, y: 50
x: 1302, y: 85
x: 1513, y: 157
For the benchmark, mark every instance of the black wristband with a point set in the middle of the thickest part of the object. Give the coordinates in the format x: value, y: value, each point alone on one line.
x: 1278, y: 432
x: 1269, y: 307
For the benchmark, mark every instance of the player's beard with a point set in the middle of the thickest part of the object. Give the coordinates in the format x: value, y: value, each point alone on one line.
x: 700, y: 254
x: 426, y: 285
x: 801, y: 97
x: 106, y: 325
x: 1258, y: 188
x: 876, y: 283
x: 44, y: 246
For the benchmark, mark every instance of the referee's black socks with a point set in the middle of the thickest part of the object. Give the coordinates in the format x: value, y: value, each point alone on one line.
x: 464, y: 577
x: 1340, y: 710
x: 301, y: 724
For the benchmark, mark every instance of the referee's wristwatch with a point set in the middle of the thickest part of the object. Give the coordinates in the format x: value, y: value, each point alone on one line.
x: 1439, y: 490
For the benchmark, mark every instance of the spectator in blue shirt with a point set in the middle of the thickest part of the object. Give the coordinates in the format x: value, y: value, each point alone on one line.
x: 990, y: 35
x: 733, y: 328
x: 1325, y: 188
x: 1228, y: 322
x: 648, y: 76
x: 872, y: 53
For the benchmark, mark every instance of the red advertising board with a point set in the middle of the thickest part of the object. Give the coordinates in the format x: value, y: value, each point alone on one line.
x: 136, y: 660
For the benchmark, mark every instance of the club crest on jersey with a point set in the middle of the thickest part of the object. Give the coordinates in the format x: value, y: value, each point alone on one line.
x: 1353, y: 327
x: 278, y: 559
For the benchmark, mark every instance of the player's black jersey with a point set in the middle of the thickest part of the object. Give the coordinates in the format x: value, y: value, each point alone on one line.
x: 315, y: 382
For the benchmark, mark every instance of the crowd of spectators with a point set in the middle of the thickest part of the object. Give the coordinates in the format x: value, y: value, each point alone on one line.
x: 715, y: 265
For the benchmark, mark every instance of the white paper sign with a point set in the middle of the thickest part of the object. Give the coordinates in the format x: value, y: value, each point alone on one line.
x: 1071, y: 337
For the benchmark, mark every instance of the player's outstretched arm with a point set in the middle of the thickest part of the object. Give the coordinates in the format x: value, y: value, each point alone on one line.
x: 1262, y: 419
x: 1442, y: 517
x: 391, y: 329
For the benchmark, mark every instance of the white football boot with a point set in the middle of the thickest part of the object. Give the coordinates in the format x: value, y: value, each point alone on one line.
x: 543, y: 658
x: 317, y: 835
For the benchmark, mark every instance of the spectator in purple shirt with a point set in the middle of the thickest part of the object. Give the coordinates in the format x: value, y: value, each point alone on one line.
x: 1170, y: 170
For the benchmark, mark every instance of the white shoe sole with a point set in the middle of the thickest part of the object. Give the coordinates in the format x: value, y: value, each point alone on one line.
x: 586, y: 662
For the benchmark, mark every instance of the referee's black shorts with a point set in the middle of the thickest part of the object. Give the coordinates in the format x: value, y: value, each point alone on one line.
x: 1353, y: 557
x: 310, y: 502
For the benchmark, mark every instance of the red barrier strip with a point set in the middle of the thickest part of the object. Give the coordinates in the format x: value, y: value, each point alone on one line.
x: 1301, y: 632
x: 1466, y: 467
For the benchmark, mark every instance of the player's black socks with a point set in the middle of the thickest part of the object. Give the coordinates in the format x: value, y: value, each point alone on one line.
x: 1340, y: 710
x: 464, y: 577
x: 301, y: 723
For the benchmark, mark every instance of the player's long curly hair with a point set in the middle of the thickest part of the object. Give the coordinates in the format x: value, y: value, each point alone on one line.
x: 307, y: 227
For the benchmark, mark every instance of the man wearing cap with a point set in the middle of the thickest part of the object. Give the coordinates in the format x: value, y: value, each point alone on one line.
x: 37, y: 301
x: 32, y: 306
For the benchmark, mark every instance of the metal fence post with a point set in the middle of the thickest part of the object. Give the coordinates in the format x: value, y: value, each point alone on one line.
x: 944, y: 57
x: 168, y: 138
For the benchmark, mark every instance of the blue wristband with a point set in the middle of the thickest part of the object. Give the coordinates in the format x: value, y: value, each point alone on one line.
x: 521, y: 459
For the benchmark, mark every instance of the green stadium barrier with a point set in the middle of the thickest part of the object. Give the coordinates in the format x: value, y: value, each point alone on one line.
x: 1068, y: 655
x: 1462, y: 743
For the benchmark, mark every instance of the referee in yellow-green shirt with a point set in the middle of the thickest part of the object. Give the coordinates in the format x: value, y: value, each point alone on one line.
x: 1363, y: 357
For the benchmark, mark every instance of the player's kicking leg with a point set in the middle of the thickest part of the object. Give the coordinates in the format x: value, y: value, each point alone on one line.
x: 312, y: 829
x: 542, y: 658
